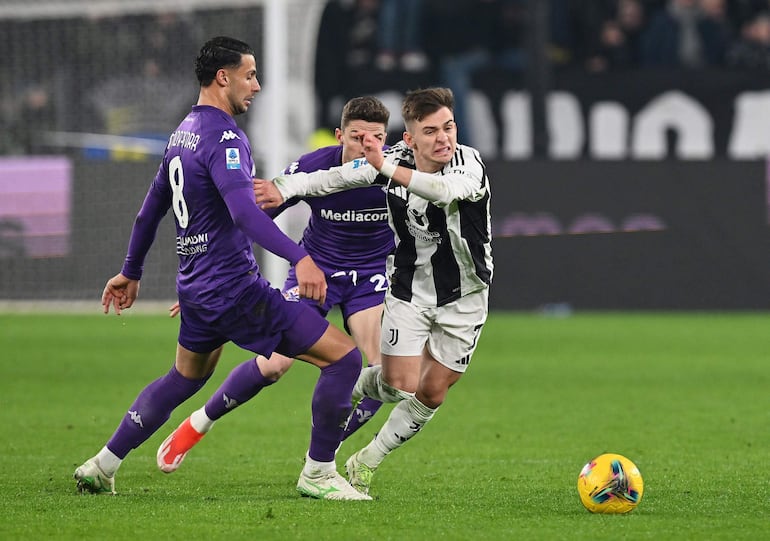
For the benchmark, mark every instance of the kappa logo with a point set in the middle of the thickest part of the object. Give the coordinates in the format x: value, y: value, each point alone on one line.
x: 228, y: 135
x: 136, y: 418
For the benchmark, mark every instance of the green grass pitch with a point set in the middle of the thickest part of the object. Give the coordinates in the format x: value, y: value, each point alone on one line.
x: 683, y: 395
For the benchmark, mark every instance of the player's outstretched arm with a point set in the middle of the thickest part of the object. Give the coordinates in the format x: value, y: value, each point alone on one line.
x: 120, y: 292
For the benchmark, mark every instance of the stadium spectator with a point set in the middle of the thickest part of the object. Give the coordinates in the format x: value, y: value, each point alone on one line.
x: 399, y: 34
x: 573, y: 26
x: 206, y: 177
x: 34, y: 116
x: 688, y: 34
x: 716, y: 14
x: 347, y: 44
x: 168, y: 38
x: 437, y: 301
x: 136, y: 101
x: 492, y: 37
x: 352, y: 255
x: 752, y: 50
x: 741, y: 11
x: 618, y: 38
x: 632, y: 18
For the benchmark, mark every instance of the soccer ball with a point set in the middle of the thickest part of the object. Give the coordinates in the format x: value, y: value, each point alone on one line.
x: 610, y: 483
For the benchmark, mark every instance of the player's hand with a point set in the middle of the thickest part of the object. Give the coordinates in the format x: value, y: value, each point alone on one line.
x: 173, y: 310
x: 120, y: 292
x: 373, y: 150
x: 311, y: 280
x: 266, y: 193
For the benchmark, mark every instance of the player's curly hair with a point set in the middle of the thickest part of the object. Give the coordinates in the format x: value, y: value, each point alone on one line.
x: 423, y: 102
x: 217, y: 53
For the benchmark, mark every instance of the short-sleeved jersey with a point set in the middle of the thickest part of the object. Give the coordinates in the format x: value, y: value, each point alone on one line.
x: 443, y: 244
x: 206, y: 157
x: 346, y: 230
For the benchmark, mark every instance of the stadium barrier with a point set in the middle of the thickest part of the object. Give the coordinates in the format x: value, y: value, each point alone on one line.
x: 630, y: 235
x: 585, y: 234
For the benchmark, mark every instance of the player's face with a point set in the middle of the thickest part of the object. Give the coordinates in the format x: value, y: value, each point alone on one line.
x: 243, y: 84
x: 433, y: 139
x: 351, y: 137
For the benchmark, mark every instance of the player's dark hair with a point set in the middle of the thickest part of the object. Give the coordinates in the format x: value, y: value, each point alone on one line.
x: 217, y: 53
x: 423, y: 102
x: 366, y: 108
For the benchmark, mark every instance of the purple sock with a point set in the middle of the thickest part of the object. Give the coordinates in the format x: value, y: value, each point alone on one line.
x: 331, y: 405
x: 362, y: 414
x: 241, y: 384
x: 151, y: 409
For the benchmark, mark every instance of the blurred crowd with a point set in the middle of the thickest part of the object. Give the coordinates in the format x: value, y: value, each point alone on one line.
x: 130, y: 82
x: 450, y: 42
x: 418, y: 35
x: 126, y: 75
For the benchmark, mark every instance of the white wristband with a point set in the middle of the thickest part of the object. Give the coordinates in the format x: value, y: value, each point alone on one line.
x: 388, y: 169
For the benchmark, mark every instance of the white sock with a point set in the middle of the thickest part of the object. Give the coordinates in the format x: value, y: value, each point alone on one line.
x: 200, y: 421
x: 406, y: 420
x: 371, y: 384
x: 108, y: 462
x: 313, y: 468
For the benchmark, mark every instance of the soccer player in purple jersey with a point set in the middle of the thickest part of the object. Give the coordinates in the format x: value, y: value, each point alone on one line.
x: 439, y: 273
x: 205, y: 177
x: 349, y: 238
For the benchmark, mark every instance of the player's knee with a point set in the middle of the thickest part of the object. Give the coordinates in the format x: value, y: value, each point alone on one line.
x: 274, y: 367
x: 350, y: 362
x: 431, y: 397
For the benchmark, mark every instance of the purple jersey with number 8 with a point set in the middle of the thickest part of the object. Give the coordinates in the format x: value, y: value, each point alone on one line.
x: 222, y: 295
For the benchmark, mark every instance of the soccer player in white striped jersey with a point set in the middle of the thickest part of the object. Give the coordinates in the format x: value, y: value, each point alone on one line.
x: 437, y: 303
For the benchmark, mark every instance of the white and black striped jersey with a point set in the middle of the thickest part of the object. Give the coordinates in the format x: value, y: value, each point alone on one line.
x: 442, y: 227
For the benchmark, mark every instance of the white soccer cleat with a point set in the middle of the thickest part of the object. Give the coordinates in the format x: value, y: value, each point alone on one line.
x: 328, y: 486
x: 359, y: 474
x: 91, y: 478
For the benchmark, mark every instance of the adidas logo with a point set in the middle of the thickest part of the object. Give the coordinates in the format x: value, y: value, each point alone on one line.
x: 464, y: 361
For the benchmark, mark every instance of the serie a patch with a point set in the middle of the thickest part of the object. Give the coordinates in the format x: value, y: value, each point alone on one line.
x: 233, y: 158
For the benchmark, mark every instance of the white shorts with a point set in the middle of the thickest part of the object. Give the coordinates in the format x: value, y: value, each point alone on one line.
x: 450, y: 332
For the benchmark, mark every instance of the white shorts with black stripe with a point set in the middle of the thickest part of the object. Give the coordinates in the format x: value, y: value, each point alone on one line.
x: 451, y: 332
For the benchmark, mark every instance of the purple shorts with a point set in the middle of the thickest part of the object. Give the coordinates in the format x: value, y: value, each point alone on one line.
x: 351, y: 291
x: 260, y: 320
